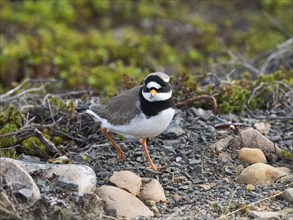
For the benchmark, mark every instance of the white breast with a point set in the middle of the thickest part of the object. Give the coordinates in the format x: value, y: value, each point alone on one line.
x: 141, y: 126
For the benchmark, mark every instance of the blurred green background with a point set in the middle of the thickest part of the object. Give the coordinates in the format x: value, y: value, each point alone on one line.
x: 94, y: 43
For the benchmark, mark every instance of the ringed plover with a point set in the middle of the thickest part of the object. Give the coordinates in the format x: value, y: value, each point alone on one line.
x: 141, y: 112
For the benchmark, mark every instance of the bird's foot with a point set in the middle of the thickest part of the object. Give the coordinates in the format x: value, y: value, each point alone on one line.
x: 156, y: 169
x: 121, y: 156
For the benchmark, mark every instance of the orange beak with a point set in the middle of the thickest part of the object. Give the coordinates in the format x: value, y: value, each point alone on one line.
x: 153, y: 93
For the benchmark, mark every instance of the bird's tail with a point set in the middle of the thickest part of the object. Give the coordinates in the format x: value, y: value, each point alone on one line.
x: 85, y: 108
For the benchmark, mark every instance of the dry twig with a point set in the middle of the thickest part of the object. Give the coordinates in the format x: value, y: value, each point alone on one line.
x: 196, y: 98
x: 251, y: 204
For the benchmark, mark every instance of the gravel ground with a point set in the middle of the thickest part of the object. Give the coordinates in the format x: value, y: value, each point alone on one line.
x: 199, y: 183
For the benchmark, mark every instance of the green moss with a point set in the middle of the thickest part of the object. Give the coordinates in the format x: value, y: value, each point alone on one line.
x: 10, y: 140
x: 232, y: 98
x: 267, y: 85
x: 10, y: 153
x: 287, y: 154
x: 58, y: 140
x: 33, y: 146
x: 10, y: 121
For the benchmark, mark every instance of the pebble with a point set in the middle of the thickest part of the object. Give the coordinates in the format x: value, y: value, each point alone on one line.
x: 288, y: 195
x: 221, y: 144
x: 127, y: 180
x: 204, y: 114
x: 178, y: 159
x: 265, y: 214
x: 173, y: 131
x: 263, y: 127
x: 27, y: 193
x: 67, y: 185
x: 152, y: 190
x: 193, y: 136
x: 252, y: 155
x: 194, y: 161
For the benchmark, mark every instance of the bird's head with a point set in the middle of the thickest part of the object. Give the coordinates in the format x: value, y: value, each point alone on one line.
x: 156, y: 87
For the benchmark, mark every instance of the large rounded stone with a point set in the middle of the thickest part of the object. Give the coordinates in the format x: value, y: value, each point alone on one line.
x: 153, y: 190
x: 251, y: 138
x: 127, y: 180
x: 122, y: 203
x: 20, y: 178
x: 68, y: 174
x: 261, y: 174
x: 252, y: 155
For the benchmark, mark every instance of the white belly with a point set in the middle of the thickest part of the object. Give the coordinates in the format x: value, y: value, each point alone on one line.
x: 141, y: 126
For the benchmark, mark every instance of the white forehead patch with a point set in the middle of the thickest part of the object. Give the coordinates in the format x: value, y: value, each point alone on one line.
x: 153, y: 84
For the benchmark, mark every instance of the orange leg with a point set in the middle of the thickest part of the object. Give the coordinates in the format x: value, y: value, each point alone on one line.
x: 112, y: 141
x: 144, y: 145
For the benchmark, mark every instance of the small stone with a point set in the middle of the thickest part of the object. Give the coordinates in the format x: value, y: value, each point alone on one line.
x: 193, y: 136
x: 152, y: 190
x: 138, y: 159
x: 127, y: 180
x: 173, y: 131
x: 224, y: 157
x: 45, y: 189
x: 178, y: 159
x: 40, y: 182
x: 69, y: 186
x: 194, y: 161
x: 204, y: 114
x: 155, y: 209
x: 288, y: 195
x: 121, y: 203
x: 275, y: 138
x: 78, y: 194
x: 252, y: 155
x: 27, y: 193
x: 229, y: 117
x: 265, y: 214
x: 176, y: 197
x: 223, y: 217
x: 197, y: 169
x: 260, y: 174
x: 221, y: 144
x: 226, y: 180
x: 263, y: 127
x: 150, y: 203
x: 239, y: 168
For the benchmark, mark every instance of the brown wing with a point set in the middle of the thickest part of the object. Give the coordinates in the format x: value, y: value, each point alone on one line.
x: 120, y: 109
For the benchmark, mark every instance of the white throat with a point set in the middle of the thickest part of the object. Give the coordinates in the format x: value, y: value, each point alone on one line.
x: 161, y: 96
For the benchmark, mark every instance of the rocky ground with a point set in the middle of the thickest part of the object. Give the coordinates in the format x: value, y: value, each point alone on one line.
x: 202, y: 175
